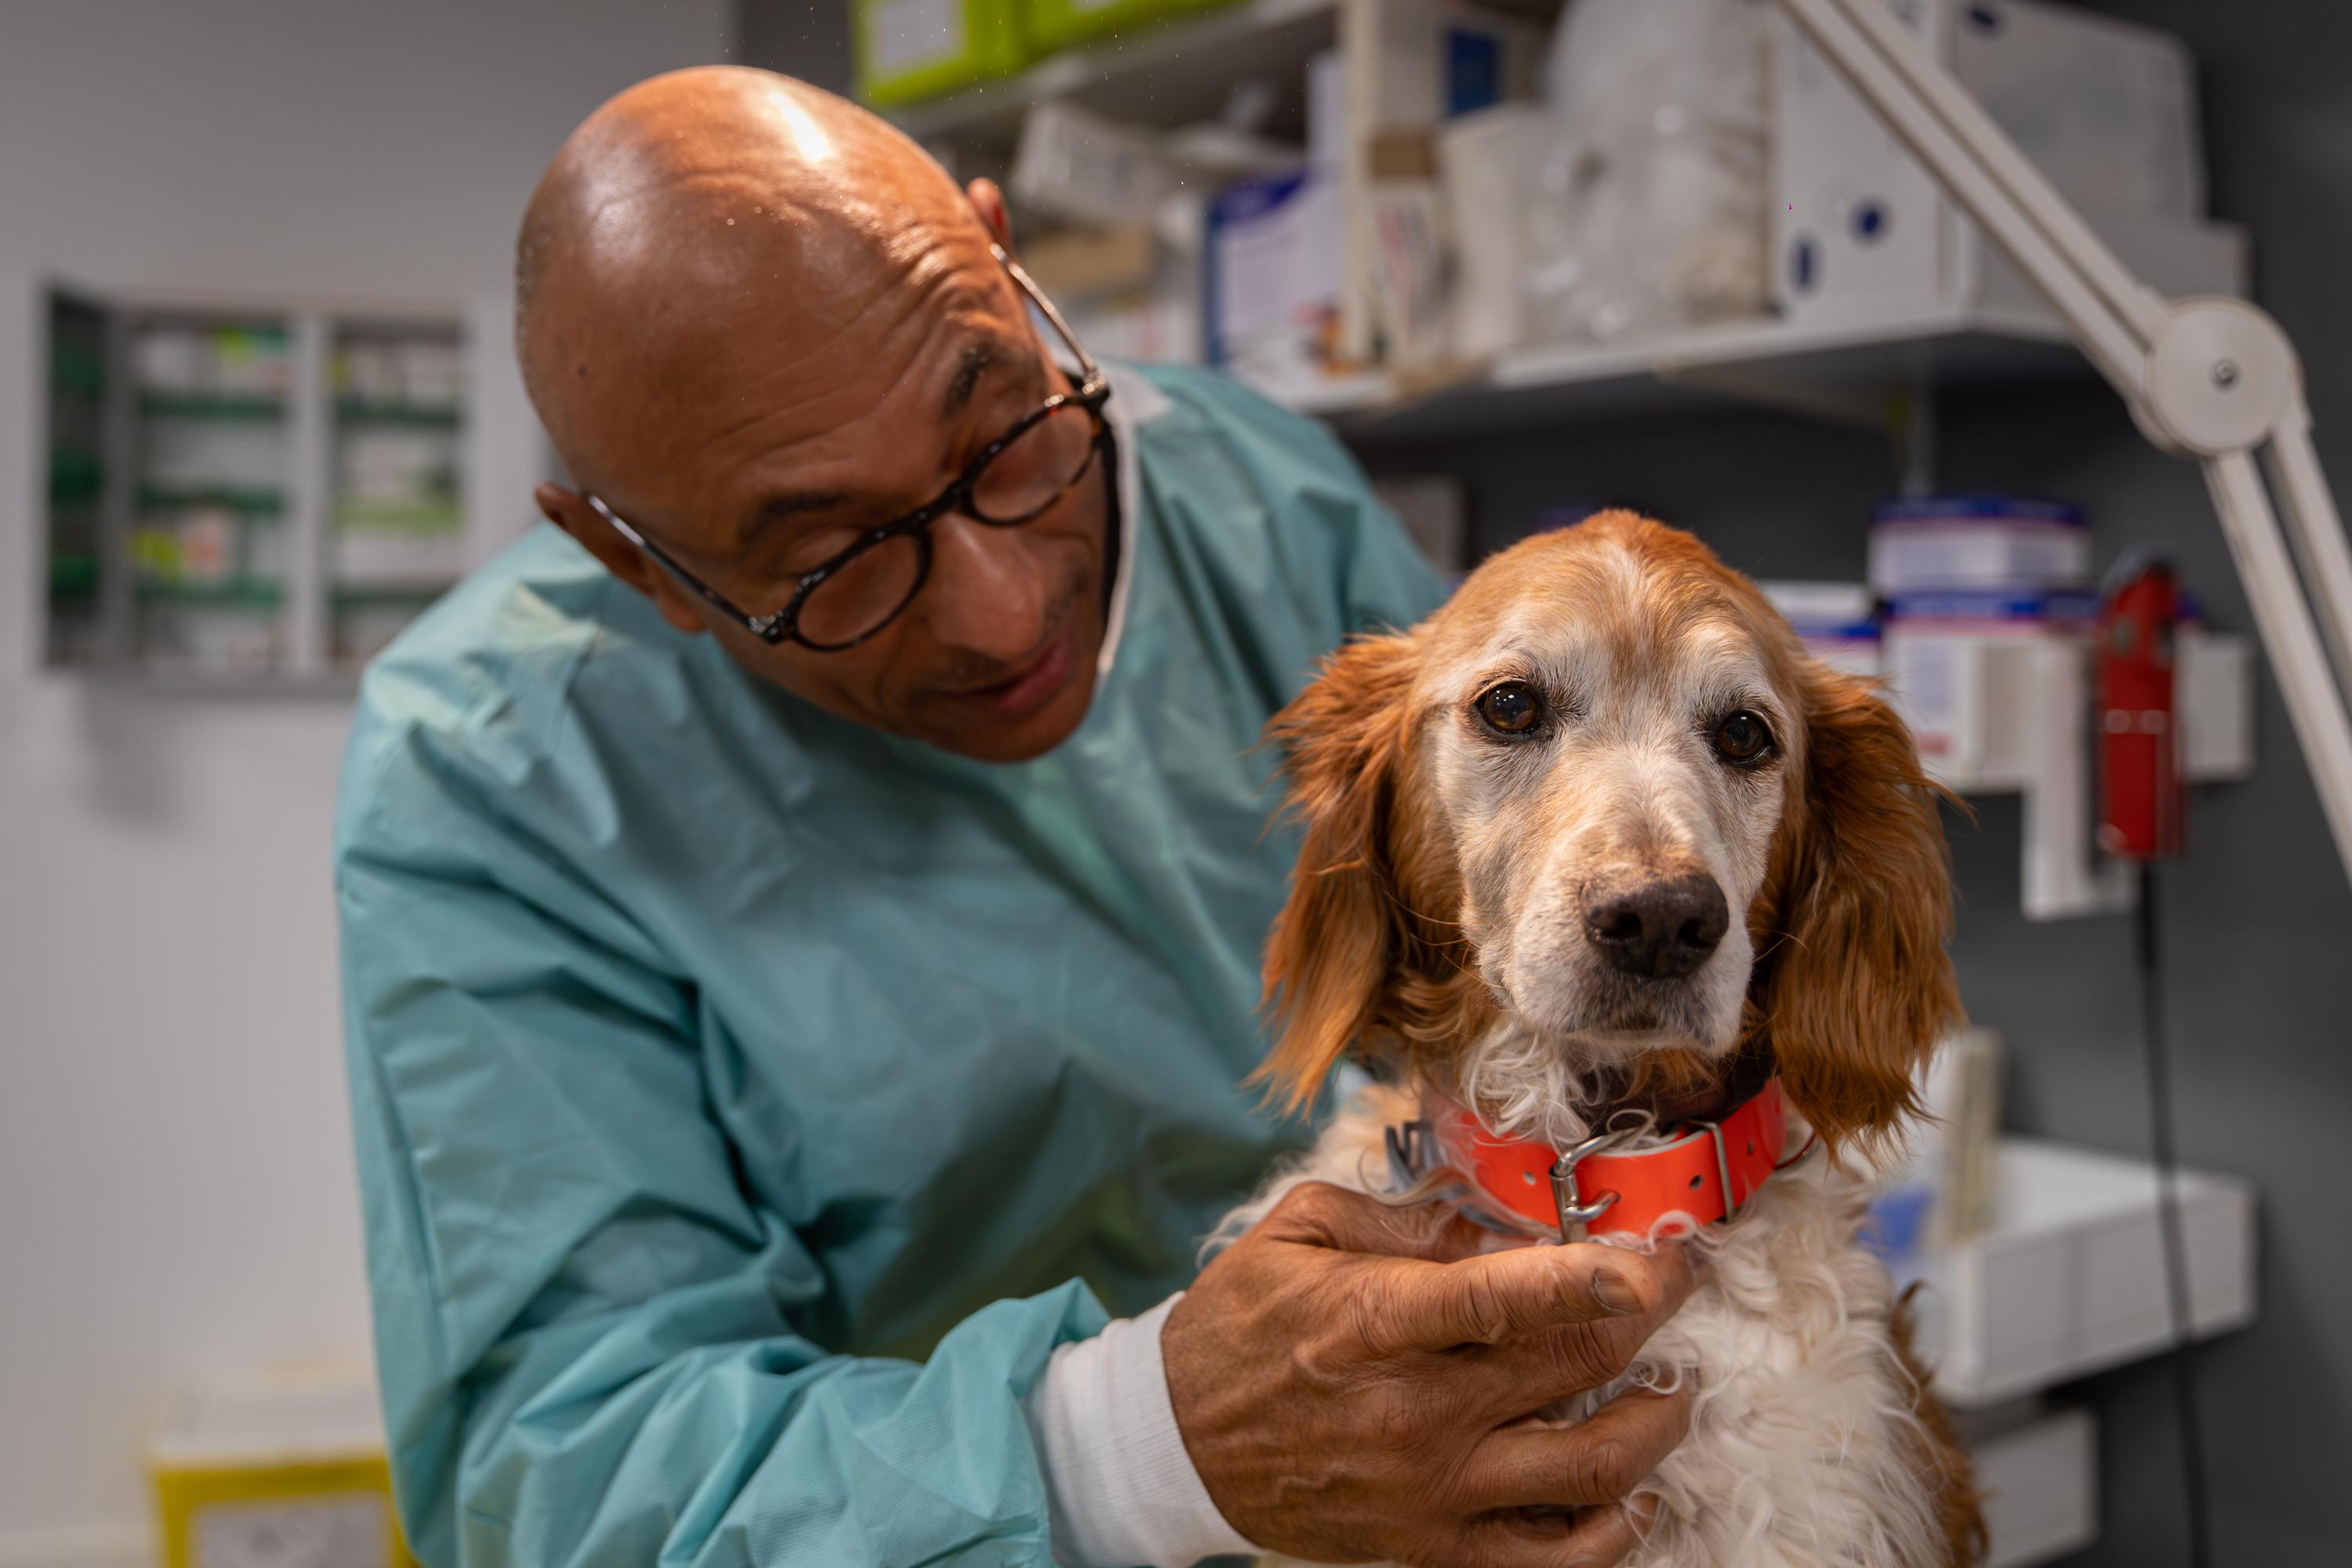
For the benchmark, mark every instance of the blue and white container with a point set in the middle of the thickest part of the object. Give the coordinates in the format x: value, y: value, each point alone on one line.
x: 1981, y: 542
x: 1837, y: 622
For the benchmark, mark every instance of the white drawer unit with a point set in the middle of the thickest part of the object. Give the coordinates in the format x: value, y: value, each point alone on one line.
x: 2041, y: 1483
x: 2070, y: 1279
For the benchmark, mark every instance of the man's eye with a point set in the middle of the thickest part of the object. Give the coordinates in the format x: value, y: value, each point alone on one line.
x: 808, y: 554
x: 1511, y: 707
x: 1742, y: 737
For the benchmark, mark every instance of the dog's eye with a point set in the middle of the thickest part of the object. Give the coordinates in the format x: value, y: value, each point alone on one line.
x: 1742, y: 737
x: 1510, y: 708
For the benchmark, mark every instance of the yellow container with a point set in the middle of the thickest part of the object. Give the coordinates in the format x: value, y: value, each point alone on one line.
x: 908, y: 50
x: 1059, y: 24
x: 275, y: 1469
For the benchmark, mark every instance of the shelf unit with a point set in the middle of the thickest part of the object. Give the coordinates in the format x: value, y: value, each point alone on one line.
x: 2069, y: 1278
x: 1178, y: 73
x: 1858, y: 372
x: 243, y: 494
x: 1876, y: 364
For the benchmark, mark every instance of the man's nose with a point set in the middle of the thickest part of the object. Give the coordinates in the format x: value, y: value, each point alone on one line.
x: 988, y: 592
x: 1662, y: 929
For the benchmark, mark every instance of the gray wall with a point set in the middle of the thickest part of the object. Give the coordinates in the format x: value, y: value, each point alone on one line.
x: 177, y: 1194
x: 2257, y: 920
x: 806, y: 39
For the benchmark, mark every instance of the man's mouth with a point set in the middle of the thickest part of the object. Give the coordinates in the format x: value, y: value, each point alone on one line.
x: 1035, y: 684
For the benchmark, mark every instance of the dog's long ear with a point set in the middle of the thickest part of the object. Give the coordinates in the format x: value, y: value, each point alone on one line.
x: 1333, y: 948
x: 1861, y: 988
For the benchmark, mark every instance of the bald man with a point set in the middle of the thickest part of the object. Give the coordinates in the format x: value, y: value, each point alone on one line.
x: 800, y: 919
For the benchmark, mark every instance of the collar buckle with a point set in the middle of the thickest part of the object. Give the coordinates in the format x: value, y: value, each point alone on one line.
x: 1575, y: 1212
x: 1410, y: 1145
x: 1731, y: 1203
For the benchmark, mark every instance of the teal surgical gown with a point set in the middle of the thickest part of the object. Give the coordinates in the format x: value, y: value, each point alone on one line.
x: 747, y: 1103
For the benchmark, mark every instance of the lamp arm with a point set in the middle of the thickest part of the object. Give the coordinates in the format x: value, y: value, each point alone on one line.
x: 2211, y: 378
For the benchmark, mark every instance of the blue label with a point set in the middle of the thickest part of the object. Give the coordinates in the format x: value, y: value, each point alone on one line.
x: 1987, y: 508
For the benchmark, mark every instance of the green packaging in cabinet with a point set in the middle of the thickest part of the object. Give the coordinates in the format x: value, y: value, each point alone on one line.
x: 1058, y: 24
x: 913, y: 50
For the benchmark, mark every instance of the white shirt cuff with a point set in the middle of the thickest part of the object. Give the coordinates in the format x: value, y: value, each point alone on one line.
x: 1121, y: 1489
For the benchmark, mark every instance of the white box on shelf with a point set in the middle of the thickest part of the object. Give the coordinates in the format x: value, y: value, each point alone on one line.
x: 1273, y: 280
x: 1485, y: 162
x: 2041, y: 1486
x: 2106, y: 108
x: 1139, y: 327
x: 1998, y: 707
x: 229, y: 637
x: 1977, y: 698
x: 383, y: 557
x: 1963, y: 669
x: 2070, y: 1279
x: 2216, y: 699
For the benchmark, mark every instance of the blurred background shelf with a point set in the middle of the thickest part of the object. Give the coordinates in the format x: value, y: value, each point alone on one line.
x: 425, y: 519
x: 255, y: 500
x: 1854, y: 372
x: 438, y: 416
x: 249, y: 595
x: 249, y: 489
x: 1177, y: 73
x: 207, y: 405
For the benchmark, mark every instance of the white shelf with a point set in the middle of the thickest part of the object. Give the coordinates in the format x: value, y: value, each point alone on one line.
x: 1176, y: 74
x: 1849, y: 371
x: 2070, y: 1280
x: 2041, y: 1489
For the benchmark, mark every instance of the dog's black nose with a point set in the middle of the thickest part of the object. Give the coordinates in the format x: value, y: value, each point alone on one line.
x: 1663, y: 929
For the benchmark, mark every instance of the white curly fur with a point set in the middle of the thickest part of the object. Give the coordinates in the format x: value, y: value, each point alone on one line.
x: 1804, y: 1450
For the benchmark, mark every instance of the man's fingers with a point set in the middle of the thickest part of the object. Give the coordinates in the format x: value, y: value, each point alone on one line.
x: 1529, y: 1371
x: 1591, y: 1537
x: 1601, y: 1460
x: 1459, y: 1237
x: 1317, y: 1214
x: 1500, y: 1298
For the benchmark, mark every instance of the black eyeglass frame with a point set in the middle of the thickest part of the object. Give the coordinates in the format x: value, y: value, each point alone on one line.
x: 784, y: 626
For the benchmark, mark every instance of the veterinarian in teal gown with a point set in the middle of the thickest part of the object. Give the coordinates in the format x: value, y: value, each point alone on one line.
x: 748, y: 1101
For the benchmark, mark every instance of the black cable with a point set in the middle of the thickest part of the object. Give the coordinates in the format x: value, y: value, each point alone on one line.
x: 2198, y: 1501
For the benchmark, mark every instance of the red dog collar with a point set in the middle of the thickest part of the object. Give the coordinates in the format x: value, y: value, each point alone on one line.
x: 1709, y: 1174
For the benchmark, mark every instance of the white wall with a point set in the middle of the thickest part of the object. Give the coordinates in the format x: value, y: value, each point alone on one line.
x: 175, y: 1183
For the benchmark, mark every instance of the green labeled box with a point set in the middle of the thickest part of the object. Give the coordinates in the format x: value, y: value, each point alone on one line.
x: 1058, y: 24
x: 908, y: 50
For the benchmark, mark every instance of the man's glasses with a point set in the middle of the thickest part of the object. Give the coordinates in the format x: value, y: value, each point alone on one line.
x: 862, y: 588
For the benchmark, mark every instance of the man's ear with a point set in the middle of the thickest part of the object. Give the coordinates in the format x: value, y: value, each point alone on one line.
x: 989, y: 202
x: 570, y: 511
x: 1335, y: 945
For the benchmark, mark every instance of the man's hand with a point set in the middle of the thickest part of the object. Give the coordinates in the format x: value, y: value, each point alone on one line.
x: 1344, y: 1396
